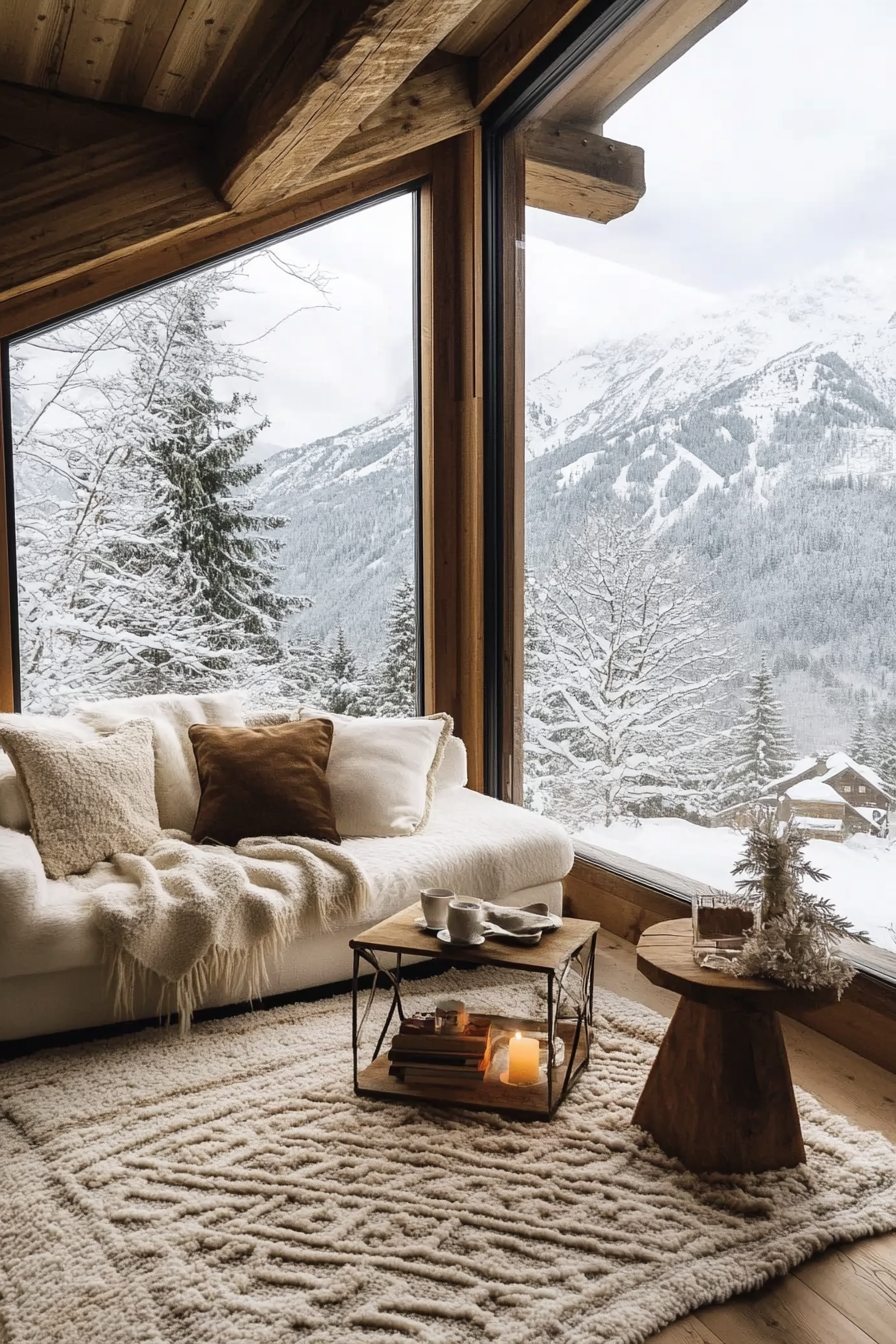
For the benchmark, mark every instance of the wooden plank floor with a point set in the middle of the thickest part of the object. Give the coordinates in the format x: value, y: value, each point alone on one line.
x: 848, y: 1294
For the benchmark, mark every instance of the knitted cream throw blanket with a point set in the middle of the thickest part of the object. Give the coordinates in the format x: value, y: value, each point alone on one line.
x: 197, y: 915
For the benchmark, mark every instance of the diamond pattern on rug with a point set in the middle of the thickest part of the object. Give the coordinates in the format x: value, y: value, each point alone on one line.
x: 230, y: 1187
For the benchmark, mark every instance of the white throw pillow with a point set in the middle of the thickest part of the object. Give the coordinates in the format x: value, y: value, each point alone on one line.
x: 382, y: 771
x: 13, y: 807
x: 177, y: 783
x: 86, y: 800
x: 452, y: 773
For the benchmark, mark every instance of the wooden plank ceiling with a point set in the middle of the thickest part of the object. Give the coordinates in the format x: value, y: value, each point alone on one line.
x: 124, y: 121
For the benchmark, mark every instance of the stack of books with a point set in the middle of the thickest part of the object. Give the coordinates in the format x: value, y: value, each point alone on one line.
x: 420, y: 1054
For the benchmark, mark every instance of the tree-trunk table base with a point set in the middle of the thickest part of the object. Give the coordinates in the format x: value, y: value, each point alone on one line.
x: 719, y: 1096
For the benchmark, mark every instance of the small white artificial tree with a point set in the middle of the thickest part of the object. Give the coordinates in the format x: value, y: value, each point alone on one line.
x: 797, y: 932
x: 624, y: 670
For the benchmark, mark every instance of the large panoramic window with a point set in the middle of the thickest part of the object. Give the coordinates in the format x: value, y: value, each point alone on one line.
x: 215, y: 481
x: 711, y: 467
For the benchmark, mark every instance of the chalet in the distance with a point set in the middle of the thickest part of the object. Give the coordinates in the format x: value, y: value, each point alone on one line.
x: 830, y: 798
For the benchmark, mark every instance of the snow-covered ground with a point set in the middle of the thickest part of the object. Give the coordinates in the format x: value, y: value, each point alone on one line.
x: 862, y: 870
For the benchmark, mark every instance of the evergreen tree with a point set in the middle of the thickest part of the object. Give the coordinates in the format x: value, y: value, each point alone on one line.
x: 343, y: 690
x: 762, y: 746
x: 885, y: 756
x: 395, y: 688
x: 201, y: 516
x: 863, y: 747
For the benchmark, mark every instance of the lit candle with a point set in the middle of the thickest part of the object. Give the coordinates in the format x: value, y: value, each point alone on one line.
x: 522, y: 1060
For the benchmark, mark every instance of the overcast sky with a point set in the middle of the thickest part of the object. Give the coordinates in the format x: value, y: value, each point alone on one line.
x: 769, y: 147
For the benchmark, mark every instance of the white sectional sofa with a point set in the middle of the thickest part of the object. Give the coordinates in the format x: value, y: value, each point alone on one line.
x: 52, y: 976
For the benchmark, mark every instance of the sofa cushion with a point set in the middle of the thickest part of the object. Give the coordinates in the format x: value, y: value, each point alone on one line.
x: 177, y: 783
x: 452, y: 772
x: 473, y: 844
x: 382, y: 771
x: 86, y: 800
x: 263, y: 781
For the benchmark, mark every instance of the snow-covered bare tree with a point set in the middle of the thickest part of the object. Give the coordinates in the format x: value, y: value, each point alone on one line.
x: 624, y: 675
x: 394, y: 692
x: 761, y: 746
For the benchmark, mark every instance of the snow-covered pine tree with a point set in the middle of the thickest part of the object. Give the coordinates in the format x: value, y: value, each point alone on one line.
x: 628, y: 668
x: 394, y: 692
x: 344, y: 689
x: 863, y: 746
x: 884, y: 760
x: 762, y: 749
x: 200, y: 512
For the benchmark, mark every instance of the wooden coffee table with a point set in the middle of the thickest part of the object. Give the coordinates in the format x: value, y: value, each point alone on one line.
x: 719, y: 1096
x: 570, y: 946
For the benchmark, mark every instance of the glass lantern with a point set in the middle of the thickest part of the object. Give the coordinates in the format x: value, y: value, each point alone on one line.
x: 721, y: 924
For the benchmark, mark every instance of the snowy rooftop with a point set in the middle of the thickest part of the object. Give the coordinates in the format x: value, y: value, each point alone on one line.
x: 798, y: 768
x: 813, y: 791
x: 840, y: 761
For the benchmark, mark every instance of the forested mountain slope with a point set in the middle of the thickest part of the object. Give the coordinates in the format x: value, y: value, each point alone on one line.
x: 759, y: 437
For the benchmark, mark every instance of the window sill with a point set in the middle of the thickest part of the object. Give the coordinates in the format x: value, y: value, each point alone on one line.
x: 627, y: 897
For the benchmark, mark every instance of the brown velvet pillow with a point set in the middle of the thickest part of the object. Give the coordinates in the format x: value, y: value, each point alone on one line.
x: 264, y: 781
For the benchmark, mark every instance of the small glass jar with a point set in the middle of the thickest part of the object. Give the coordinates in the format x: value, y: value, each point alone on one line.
x: 721, y: 924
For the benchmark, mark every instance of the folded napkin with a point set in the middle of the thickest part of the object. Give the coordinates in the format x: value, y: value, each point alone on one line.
x: 530, y: 919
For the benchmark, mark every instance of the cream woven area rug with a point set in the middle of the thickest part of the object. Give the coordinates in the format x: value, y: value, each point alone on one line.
x: 229, y: 1188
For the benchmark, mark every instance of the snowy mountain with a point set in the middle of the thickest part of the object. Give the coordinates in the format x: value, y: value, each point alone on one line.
x: 349, y: 500
x: 756, y: 434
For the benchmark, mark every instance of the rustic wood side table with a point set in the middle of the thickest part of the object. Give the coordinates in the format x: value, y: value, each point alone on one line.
x: 570, y: 947
x: 719, y: 1096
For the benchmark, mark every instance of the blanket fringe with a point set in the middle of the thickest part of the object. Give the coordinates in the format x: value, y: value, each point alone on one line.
x: 236, y: 975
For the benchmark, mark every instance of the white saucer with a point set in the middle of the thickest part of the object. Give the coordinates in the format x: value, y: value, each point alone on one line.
x: 420, y: 923
x: 445, y: 937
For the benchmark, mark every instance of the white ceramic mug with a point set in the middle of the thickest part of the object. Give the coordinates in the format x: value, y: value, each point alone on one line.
x: 464, y: 920
x: 435, y: 902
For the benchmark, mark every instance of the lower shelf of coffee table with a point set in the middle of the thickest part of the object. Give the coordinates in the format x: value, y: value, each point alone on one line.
x: 491, y: 1094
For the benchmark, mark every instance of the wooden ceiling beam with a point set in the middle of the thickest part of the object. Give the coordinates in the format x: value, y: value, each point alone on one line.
x: 573, y: 172
x: 155, y: 258
x: 335, y: 66
x: 84, y: 204
x: 431, y: 106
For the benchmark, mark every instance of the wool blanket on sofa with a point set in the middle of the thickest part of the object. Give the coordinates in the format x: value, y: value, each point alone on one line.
x: 197, y: 915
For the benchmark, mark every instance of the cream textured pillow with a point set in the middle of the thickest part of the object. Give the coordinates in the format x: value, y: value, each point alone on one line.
x: 13, y: 808
x: 382, y: 771
x: 177, y: 783
x: 86, y: 800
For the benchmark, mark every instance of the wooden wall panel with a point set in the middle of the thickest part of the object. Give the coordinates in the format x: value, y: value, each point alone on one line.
x: 452, y: 420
